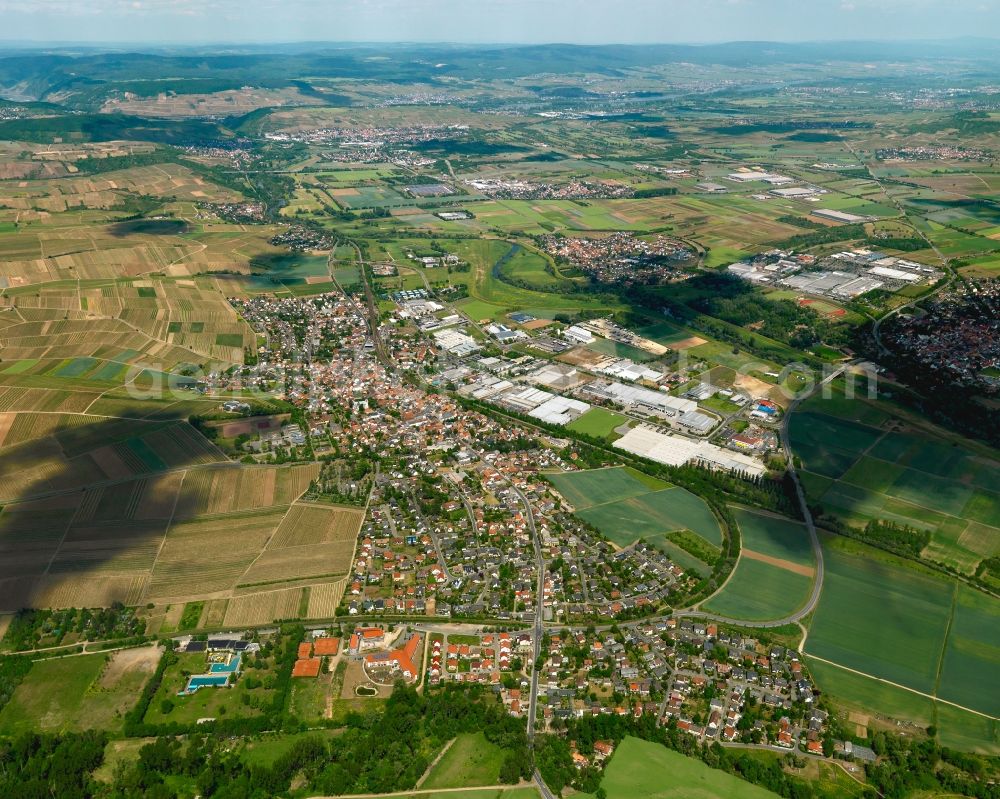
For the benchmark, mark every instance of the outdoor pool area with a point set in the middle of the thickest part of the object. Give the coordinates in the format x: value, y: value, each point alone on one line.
x: 231, y: 667
x: 205, y: 681
x: 217, y: 677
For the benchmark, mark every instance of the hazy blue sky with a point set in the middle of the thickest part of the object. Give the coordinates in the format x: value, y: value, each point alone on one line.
x: 493, y: 20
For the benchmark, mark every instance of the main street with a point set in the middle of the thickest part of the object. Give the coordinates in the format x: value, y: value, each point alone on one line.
x: 538, y: 632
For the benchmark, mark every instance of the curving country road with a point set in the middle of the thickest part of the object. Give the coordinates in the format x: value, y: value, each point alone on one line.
x: 810, y: 604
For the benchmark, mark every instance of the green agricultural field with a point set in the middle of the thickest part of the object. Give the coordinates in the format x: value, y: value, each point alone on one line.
x: 889, y: 619
x: 644, y: 770
x: 626, y: 505
x: 653, y: 513
x: 597, y: 422
x: 859, y: 473
x: 758, y: 591
x: 471, y: 760
x: 869, y: 695
x: 881, y: 618
x: 775, y: 537
x: 972, y: 653
x: 956, y: 728
x: 828, y: 445
x: 873, y: 474
x: 94, y: 692
x: 597, y: 486
x: 775, y: 573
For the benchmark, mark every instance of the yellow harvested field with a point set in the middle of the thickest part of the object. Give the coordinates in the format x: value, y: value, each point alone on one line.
x: 6, y: 422
x: 293, y: 481
x: 226, y: 490
x: 35, y: 467
x: 27, y: 426
x: 207, y: 556
x: 324, y: 599
x: 308, y: 523
x: 76, y: 591
x: 264, y: 607
x: 16, y: 398
x: 141, y: 660
x: 294, y: 563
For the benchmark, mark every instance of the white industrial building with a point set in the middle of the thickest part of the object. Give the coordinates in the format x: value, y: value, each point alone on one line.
x: 456, y: 343
x: 797, y: 192
x: 578, y: 334
x: 840, y: 216
x: 560, y: 410
x: 697, y: 422
x: 751, y: 176
x: 674, y: 450
x: 895, y: 274
x: 525, y: 399
x: 634, y: 396
x: 626, y: 369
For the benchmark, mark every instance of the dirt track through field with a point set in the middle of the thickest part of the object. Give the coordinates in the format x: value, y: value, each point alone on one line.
x: 797, y: 568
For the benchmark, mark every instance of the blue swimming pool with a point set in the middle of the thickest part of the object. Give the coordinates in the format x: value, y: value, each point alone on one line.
x: 205, y: 681
x: 222, y: 668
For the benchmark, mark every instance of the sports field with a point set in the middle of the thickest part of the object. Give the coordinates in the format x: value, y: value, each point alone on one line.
x: 859, y: 469
x: 886, y: 618
x: 644, y: 770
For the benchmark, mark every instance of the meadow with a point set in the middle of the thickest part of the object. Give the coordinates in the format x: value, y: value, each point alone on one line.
x: 644, y: 770
x: 95, y: 692
x: 471, y: 760
x: 239, y: 701
x: 598, y: 422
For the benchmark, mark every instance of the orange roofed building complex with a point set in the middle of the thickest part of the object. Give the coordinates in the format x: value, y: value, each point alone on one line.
x: 401, y: 659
